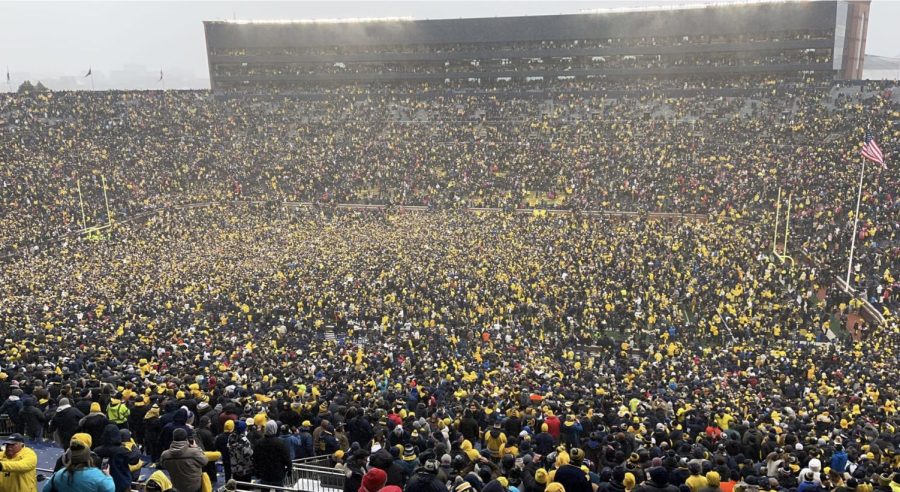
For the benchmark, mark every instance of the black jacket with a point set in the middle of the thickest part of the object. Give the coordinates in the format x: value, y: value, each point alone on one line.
x: 468, y: 427
x: 529, y: 484
x: 383, y: 460
x: 32, y: 419
x: 271, y: 459
x: 423, y: 481
x: 360, y: 430
x: 353, y: 481
x: 136, y: 422
x: 94, y: 425
x: 650, y: 486
x: 66, y: 423
x: 573, y: 479
x: 543, y: 443
x: 118, y: 456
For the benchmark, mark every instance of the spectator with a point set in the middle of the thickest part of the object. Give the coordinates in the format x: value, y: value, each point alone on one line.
x: 18, y: 466
x: 184, y: 462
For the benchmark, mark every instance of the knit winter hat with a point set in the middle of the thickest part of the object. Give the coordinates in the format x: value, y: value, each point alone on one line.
x: 179, y: 435
x: 373, y: 480
x: 659, y: 475
x: 271, y: 428
x: 84, y: 437
x: 159, y: 481
x: 78, y: 453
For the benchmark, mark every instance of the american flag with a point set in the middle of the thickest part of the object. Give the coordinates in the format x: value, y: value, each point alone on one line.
x: 871, y: 150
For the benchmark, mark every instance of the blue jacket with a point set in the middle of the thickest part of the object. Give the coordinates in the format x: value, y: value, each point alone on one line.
x: 85, y: 480
x: 293, y: 444
x: 806, y: 486
x: 839, y: 461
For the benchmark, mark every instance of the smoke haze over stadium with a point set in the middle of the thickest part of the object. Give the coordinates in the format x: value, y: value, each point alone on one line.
x: 126, y: 44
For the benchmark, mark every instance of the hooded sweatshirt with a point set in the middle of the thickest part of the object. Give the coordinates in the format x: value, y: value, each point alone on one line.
x: 185, y: 465
x: 117, y: 456
x: 94, y: 424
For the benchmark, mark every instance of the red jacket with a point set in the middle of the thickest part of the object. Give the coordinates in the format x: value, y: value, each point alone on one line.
x: 553, y: 426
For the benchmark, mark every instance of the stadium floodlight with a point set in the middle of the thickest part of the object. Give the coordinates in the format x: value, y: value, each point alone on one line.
x: 348, y: 20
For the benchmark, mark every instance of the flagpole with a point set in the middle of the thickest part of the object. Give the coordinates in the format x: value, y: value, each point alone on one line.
x: 92, y: 80
x: 855, y: 221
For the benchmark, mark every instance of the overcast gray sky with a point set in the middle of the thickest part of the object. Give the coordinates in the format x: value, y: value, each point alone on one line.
x: 126, y: 44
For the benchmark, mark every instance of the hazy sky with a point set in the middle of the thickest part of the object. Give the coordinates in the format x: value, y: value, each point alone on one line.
x: 126, y: 44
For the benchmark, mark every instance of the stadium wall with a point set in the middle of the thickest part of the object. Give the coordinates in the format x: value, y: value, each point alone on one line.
x: 268, y: 53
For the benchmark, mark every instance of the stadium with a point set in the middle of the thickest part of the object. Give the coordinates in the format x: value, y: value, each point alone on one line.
x: 647, y: 250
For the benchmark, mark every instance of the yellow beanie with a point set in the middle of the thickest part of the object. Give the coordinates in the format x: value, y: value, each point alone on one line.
x: 161, y: 479
x: 555, y: 487
x: 84, y: 437
x: 95, y: 407
x: 540, y: 476
x: 629, y: 481
x: 260, y: 420
x: 229, y: 426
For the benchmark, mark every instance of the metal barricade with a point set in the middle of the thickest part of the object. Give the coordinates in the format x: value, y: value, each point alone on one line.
x: 320, y: 460
x: 313, y: 478
x: 234, y: 486
x: 44, y: 474
x: 7, y: 426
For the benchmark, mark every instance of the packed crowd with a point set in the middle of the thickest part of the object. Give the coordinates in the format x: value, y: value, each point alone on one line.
x: 195, y: 337
x: 483, y: 351
x: 471, y: 350
x: 703, y: 154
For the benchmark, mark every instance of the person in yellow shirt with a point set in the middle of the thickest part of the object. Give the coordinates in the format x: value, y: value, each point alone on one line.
x: 18, y: 466
x: 495, y: 441
x: 696, y: 481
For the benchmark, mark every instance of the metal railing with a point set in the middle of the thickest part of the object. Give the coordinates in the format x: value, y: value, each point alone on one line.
x: 311, y: 476
x: 320, y: 460
x: 7, y: 426
x: 234, y: 486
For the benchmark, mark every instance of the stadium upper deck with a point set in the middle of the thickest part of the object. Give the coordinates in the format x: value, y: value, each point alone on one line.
x: 825, y: 39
